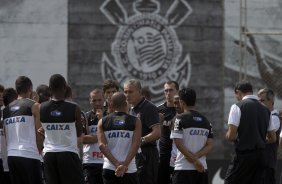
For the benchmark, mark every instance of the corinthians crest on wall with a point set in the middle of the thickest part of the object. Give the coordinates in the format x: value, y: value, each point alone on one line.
x: 146, y: 46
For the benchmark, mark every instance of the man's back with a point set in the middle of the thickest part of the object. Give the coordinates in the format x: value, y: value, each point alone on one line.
x: 20, y: 129
x: 194, y: 129
x: 253, y: 125
x: 58, y: 121
x: 248, y: 126
x: 119, y: 128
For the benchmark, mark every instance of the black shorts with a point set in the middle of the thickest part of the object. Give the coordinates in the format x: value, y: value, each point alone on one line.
x: 190, y: 176
x: 93, y: 173
x: 62, y: 168
x: 24, y: 170
x: 246, y: 168
x: 109, y: 177
x: 1, y: 170
x: 148, y: 174
x: 269, y: 177
x: 7, y: 179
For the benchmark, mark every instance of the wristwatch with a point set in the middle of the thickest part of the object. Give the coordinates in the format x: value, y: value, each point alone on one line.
x: 143, y: 140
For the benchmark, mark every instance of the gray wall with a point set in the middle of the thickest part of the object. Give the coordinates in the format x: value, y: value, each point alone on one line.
x: 33, y: 40
x: 198, y: 46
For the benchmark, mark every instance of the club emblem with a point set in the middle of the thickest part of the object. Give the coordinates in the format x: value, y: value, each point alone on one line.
x: 146, y: 46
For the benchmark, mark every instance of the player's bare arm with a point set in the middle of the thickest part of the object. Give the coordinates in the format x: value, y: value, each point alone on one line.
x: 103, y: 145
x: 231, y: 133
x: 206, y: 149
x: 38, y: 126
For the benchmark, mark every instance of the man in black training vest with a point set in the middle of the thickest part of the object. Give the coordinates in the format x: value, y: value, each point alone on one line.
x: 119, y: 137
x: 249, y: 124
x: 61, y: 123
x: 168, y: 111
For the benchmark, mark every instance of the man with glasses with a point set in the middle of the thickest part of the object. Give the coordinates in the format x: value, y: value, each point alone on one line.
x: 266, y: 96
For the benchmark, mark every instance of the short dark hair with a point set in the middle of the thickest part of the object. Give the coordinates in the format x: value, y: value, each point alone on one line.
x: 1, y: 88
x: 96, y: 91
x: 108, y: 83
x: 118, y: 100
x: 173, y: 82
x: 188, y: 96
x: 9, y: 95
x: 68, y: 93
x: 57, y: 83
x: 23, y: 84
x: 43, y: 92
x: 244, y: 87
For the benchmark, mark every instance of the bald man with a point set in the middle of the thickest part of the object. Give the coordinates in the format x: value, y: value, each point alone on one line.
x: 119, y: 137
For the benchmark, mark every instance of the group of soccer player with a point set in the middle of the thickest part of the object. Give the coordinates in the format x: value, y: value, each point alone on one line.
x: 125, y: 139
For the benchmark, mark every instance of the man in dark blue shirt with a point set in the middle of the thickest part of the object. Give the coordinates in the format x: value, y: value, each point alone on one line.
x: 149, y: 116
x: 168, y: 111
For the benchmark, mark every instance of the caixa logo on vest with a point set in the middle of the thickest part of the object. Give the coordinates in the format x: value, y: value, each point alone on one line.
x: 146, y: 46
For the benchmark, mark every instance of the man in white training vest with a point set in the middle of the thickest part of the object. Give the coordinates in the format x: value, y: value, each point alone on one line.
x: 61, y: 121
x: 21, y: 122
x: 119, y: 136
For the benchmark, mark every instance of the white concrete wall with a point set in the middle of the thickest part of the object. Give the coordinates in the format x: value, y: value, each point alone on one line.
x: 33, y: 40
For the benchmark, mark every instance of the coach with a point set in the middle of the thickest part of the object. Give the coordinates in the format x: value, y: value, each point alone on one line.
x: 250, y: 127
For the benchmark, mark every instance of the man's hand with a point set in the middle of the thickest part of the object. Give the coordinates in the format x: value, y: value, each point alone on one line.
x: 199, y: 166
x: 121, y: 170
x: 41, y: 131
x: 99, y: 113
